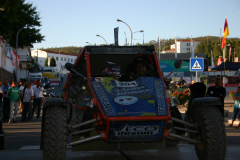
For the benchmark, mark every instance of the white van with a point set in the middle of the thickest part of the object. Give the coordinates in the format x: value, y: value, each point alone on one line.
x: 47, y: 69
x: 35, y: 76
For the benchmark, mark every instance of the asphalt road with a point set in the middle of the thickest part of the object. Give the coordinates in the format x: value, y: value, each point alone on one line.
x: 21, y: 136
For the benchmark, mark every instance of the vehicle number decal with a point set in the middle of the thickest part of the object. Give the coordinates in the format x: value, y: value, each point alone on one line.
x: 160, y: 98
x: 126, y: 84
x: 102, y: 97
x: 136, y: 131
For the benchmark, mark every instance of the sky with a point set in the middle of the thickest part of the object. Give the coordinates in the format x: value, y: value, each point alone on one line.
x: 75, y: 22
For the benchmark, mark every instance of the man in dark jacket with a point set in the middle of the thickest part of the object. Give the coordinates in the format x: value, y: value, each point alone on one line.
x: 218, y: 91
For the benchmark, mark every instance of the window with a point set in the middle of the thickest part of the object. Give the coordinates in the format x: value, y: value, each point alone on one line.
x: 61, y: 58
x: 56, y: 58
x: 64, y: 59
x: 68, y: 59
x: 188, y: 44
x: 188, y: 49
x: 71, y: 60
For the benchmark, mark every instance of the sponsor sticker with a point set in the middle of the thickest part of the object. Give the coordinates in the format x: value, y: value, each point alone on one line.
x: 103, y: 99
x: 99, y: 79
x: 126, y: 100
x: 136, y: 91
x: 160, y: 98
x: 128, y: 130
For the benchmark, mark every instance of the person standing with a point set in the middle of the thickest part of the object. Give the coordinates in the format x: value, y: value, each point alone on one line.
x: 15, y: 96
x: 219, y: 92
x: 27, y: 102
x: 236, y: 112
x: 21, y: 87
x: 6, y: 101
x: 62, y: 77
x: 37, y: 101
x: 1, y: 95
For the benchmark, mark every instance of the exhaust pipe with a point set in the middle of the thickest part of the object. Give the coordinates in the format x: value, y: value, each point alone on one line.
x: 88, y: 139
x: 190, y: 140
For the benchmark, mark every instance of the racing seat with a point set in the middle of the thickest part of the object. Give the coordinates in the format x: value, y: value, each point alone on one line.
x: 130, y: 70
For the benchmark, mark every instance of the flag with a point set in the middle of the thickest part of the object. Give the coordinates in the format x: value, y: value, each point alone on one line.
x: 225, y: 33
x: 192, y: 49
x: 212, y: 66
x: 159, y: 47
x: 175, y: 48
x: 116, y: 36
x: 230, y: 54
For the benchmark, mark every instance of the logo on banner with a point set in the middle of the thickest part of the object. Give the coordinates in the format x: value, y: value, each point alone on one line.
x: 196, y: 65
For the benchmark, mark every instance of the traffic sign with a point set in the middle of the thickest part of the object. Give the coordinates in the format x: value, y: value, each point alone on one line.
x: 196, y: 64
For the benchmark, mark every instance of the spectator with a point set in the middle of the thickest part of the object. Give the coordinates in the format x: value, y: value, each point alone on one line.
x: 219, y: 92
x: 21, y: 87
x: 27, y: 102
x: 15, y: 96
x: 236, y: 112
x: 37, y: 101
x: 1, y: 95
x: 6, y: 101
x: 182, y: 82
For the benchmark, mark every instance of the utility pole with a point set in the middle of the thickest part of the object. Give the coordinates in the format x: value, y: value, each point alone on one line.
x: 220, y: 39
x: 234, y: 55
x: 207, y: 39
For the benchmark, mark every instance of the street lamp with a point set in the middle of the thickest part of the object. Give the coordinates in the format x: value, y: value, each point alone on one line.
x: 143, y: 35
x: 1, y: 9
x: 118, y: 20
x: 89, y: 43
x: 102, y: 38
x: 59, y: 61
x: 17, y: 49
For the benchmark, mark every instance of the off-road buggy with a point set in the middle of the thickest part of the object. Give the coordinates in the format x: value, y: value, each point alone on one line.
x: 136, y: 112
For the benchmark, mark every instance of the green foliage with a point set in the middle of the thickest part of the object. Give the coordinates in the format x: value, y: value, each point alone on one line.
x: 70, y: 49
x: 46, y: 62
x: 16, y: 15
x: 206, y: 45
x: 53, y: 62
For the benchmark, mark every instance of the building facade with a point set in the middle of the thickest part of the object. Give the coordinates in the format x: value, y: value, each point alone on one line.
x: 61, y: 59
x: 184, y: 46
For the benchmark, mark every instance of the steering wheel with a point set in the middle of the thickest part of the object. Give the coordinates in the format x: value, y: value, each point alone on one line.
x: 143, y: 73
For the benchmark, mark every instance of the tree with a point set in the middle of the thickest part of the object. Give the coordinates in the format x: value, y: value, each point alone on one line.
x: 16, y: 15
x: 46, y: 62
x: 52, y: 62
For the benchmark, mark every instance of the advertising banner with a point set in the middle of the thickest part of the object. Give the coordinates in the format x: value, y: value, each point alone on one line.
x: 168, y: 65
x: 54, y: 78
x: 4, y: 56
x: 230, y: 81
x: 14, y: 59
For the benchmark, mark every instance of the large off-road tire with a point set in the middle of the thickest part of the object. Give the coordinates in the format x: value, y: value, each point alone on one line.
x: 55, y: 133
x: 171, y: 142
x: 212, y: 134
